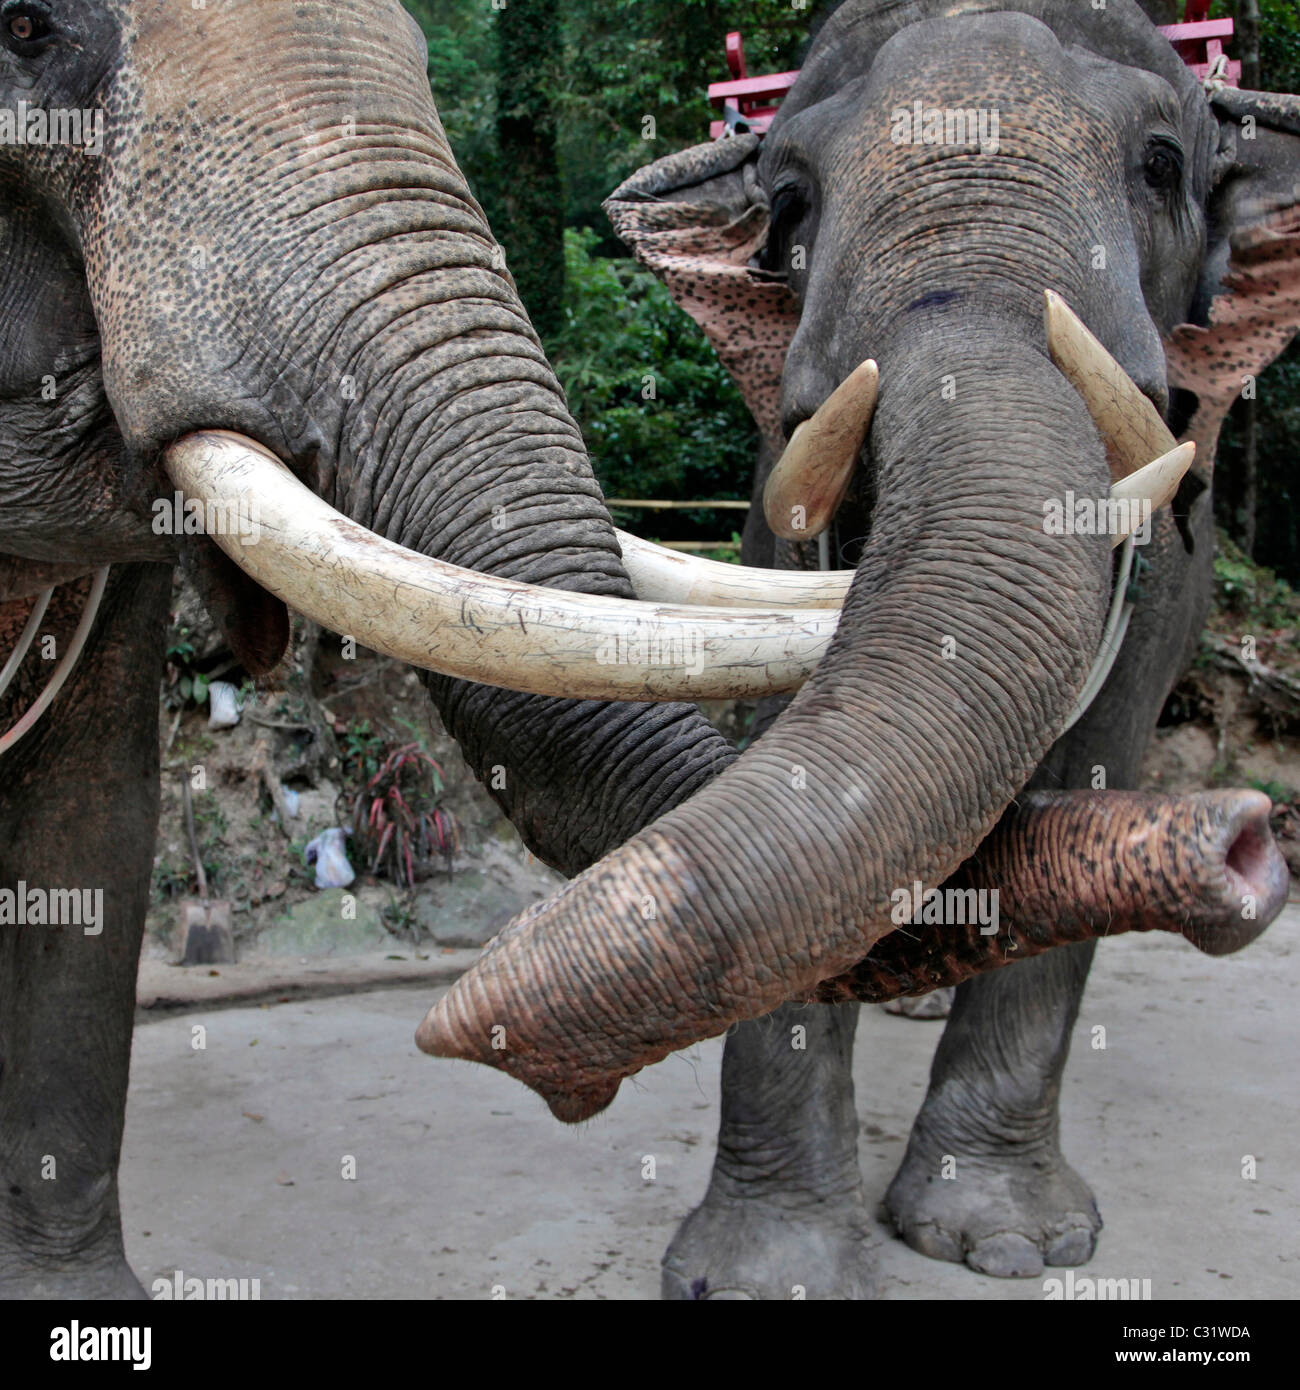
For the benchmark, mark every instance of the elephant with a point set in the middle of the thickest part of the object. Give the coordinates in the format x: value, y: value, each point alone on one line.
x: 267, y: 286
x: 1088, y: 167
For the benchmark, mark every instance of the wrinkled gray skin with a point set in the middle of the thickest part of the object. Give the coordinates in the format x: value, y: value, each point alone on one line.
x: 918, y: 264
x: 276, y: 214
x: 276, y: 209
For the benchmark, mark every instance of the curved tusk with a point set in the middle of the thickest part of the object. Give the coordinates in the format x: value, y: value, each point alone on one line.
x: 481, y: 627
x: 1154, y: 485
x: 810, y: 479
x: 1128, y: 422
x: 661, y: 575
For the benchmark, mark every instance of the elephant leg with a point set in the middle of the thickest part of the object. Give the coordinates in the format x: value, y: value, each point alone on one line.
x: 79, y: 811
x: 784, y: 1216
x: 983, y: 1179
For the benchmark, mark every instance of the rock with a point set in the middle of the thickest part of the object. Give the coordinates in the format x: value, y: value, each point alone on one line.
x: 470, y: 907
x: 318, y: 927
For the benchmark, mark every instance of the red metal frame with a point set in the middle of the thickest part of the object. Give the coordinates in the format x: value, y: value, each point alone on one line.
x: 1198, y: 40
x: 751, y: 98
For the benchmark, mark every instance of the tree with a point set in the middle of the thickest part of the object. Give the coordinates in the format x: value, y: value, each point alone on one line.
x: 532, y: 197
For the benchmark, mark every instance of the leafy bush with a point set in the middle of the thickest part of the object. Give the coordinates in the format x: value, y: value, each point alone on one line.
x: 1254, y: 593
x: 398, y: 824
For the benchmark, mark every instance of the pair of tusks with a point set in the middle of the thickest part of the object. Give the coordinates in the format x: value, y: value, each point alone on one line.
x: 808, y: 483
x: 698, y: 629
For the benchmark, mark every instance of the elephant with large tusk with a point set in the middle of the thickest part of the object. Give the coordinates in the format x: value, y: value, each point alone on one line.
x: 914, y: 311
x: 266, y: 283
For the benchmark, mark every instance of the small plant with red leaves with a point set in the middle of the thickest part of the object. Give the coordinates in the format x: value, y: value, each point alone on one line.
x: 397, y: 826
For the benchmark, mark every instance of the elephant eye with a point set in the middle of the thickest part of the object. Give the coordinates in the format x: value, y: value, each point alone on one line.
x: 27, y: 27
x: 1163, y: 166
x: 789, y: 207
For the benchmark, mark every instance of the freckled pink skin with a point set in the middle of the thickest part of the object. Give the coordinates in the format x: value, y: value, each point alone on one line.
x: 1067, y: 866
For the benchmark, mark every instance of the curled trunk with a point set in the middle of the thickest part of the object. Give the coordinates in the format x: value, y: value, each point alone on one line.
x: 964, y: 639
x: 1065, y: 867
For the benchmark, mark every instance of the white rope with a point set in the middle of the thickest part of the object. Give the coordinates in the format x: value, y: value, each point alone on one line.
x: 25, y: 641
x: 1217, y: 78
x: 64, y: 668
x: 1112, y: 638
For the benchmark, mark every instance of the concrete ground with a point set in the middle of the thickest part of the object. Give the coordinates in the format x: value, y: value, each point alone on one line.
x: 464, y: 1183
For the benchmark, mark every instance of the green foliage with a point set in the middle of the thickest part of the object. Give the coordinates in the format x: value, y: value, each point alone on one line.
x: 661, y: 417
x: 1279, y: 45
x: 184, y: 684
x: 1276, y: 791
x: 1255, y: 594
x: 361, y: 749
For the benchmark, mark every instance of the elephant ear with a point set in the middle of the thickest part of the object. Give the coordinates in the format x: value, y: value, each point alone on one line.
x: 1252, y: 277
x: 697, y: 219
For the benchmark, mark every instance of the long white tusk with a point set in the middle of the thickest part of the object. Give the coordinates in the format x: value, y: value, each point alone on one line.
x: 810, y: 479
x: 670, y: 576
x: 1128, y: 422
x: 1155, y: 484
x: 481, y: 627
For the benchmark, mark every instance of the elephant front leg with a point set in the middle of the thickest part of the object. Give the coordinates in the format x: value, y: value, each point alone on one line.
x: 78, y: 815
x: 784, y: 1216
x: 983, y: 1179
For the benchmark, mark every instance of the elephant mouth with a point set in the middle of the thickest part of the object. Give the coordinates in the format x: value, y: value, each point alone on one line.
x: 766, y: 639
x: 812, y: 477
x: 697, y: 630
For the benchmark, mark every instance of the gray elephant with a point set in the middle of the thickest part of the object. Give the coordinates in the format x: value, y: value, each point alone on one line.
x: 244, y: 218
x: 240, y: 260
x: 935, y: 169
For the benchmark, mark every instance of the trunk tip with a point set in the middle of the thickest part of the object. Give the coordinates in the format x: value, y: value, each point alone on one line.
x: 1257, y: 876
x: 448, y: 1031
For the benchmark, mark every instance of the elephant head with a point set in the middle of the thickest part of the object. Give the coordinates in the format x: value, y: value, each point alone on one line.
x: 239, y: 257
x: 936, y: 168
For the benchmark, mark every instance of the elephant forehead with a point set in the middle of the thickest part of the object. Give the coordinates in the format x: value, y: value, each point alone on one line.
x: 231, y: 55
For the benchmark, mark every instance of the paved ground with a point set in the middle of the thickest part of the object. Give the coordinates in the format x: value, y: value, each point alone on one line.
x: 234, y: 1154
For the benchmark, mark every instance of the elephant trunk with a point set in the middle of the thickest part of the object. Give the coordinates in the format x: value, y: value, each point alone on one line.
x: 1064, y: 867
x: 964, y: 639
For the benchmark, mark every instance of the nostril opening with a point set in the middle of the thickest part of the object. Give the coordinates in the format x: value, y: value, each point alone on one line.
x: 1248, y: 855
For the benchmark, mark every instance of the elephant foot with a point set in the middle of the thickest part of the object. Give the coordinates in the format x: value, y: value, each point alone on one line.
x: 936, y: 1004
x: 108, y: 1281
x: 747, y: 1249
x: 1004, y: 1216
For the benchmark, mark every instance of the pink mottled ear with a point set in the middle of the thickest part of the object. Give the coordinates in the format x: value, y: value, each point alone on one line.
x: 697, y: 219
x: 1253, y: 262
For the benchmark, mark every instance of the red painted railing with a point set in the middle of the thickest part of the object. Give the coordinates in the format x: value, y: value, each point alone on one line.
x: 755, y: 100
